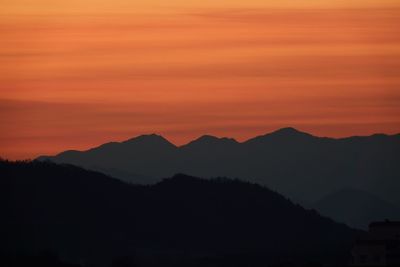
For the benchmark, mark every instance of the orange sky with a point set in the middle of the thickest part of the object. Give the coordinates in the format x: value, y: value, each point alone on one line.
x: 77, y: 74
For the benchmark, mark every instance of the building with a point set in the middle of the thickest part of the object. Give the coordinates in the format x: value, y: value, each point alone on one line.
x: 379, y: 247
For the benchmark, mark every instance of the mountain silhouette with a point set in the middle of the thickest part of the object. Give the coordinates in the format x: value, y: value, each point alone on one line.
x: 210, y: 141
x: 356, y: 208
x: 288, y: 134
x: 90, y: 218
x: 304, y: 167
x: 152, y: 141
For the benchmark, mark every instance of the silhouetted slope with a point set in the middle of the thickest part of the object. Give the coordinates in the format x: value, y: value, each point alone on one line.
x: 288, y: 134
x: 210, y: 142
x: 357, y: 208
x: 301, y: 166
x: 88, y: 216
x: 139, y: 160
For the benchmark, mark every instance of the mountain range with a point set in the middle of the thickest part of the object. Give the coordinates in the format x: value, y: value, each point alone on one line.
x: 304, y: 167
x: 90, y: 218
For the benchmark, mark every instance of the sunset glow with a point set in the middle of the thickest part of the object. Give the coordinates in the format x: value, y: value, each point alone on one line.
x: 84, y: 72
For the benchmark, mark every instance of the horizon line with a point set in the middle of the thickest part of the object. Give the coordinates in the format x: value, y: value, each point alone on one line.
x: 292, y: 129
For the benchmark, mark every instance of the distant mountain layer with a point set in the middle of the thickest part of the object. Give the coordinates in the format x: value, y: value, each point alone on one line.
x: 357, y: 208
x: 88, y: 217
x: 303, y: 167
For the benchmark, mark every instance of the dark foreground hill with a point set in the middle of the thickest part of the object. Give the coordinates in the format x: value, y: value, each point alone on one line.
x: 87, y: 217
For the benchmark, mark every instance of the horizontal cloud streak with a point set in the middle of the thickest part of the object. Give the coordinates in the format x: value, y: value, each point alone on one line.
x: 81, y: 80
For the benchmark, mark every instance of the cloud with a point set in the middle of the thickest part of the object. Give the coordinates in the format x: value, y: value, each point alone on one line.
x: 74, y: 81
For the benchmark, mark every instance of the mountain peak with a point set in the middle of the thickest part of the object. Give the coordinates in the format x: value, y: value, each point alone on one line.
x: 288, y: 131
x: 149, y: 138
x: 211, y: 140
x: 284, y: 134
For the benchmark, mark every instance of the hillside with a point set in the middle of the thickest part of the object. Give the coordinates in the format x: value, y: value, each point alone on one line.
x: 88, y: 217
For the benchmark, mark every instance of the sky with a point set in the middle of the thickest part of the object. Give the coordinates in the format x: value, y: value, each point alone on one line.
x: 75, y: 74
